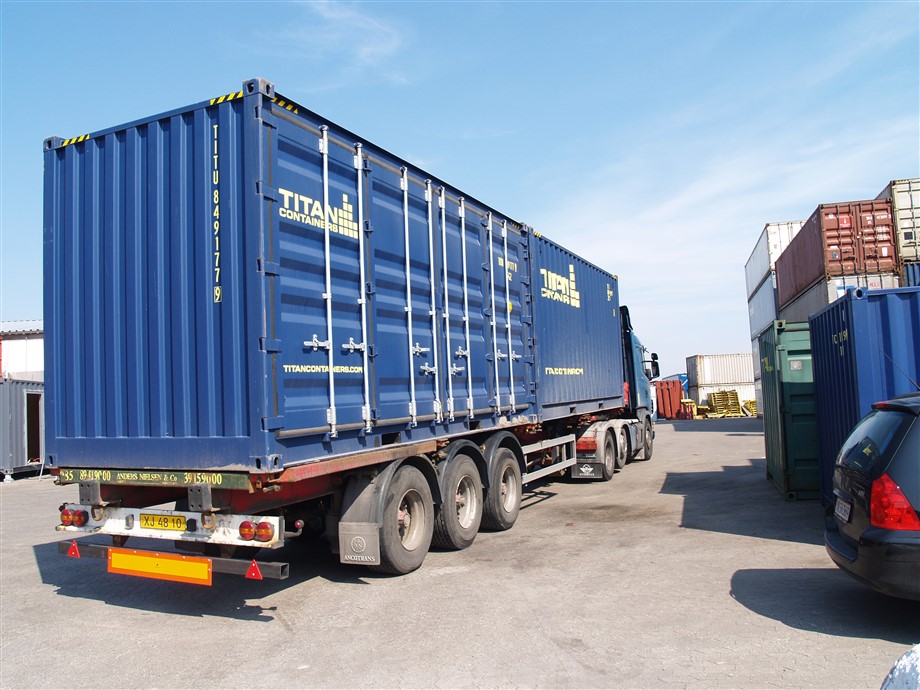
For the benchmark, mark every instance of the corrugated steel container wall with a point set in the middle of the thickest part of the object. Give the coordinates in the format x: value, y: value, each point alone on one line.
x: 14, y: 416
x: 905, y: 207
x: 669, y: 396
x: 755, y: 357
x: 853, y: 238
x: 762, y: 307
x: 910, y: 275
x: 188, y: 264
x: 823, y: 293
x: 790, y: 426
x: 758, y: 396
x: 770, y: 245
x: 865, y: 348
x: 571, y: 296
x: 745, y: 391
x: 704, y: 370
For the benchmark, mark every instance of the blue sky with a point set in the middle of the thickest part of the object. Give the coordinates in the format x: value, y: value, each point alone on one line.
x: 655, y: 139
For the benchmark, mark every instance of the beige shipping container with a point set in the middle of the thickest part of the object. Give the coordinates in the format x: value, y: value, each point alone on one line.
x: 826, y: 292
x: 905, y: 207
x: 715, y: 370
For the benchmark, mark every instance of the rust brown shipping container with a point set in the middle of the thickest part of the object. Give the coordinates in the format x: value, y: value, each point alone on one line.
x: 852, y: 238
x: 669, y: 395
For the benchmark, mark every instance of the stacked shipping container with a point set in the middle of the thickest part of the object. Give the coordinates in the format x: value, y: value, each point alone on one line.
x: 760, y: 279
x: 905, y: 208
x: 841, y: 245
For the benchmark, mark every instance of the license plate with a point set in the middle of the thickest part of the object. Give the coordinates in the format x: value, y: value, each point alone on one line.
x: 175, y: 523
x: 842, y: 510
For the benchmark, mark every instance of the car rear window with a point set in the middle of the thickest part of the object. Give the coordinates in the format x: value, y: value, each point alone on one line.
x: 874, y: 439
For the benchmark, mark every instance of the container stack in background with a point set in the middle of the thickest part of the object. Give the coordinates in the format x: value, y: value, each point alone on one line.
x: 709, y: 375
x: 760, y: 279
x: 904, y: 196
x: 842, y: 335
x: 841, y: 246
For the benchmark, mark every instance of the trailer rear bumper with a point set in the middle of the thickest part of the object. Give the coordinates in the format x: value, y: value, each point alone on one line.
x: 162, y: 565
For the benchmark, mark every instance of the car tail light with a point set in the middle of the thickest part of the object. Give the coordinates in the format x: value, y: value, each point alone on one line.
x: 247, y: 530
x: 79, y: 518
x: 264, y: 531
x: 889, y: 507
x: 67, y: 517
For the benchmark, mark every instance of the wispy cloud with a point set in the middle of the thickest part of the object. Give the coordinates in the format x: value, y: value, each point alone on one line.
x: 343, y: 45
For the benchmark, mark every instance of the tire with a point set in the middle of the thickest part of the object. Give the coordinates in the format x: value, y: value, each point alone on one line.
x: 458, y: 520
x: 408, y: 523
x: 649, y: 440
x: 622, y: 448
x: 608, y: 457
x: 503, y: 497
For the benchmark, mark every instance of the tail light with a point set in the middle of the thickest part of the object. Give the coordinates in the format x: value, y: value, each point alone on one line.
x: 67, y: 517
x: 79, y: 518
x: 889, y: 507
x: 247, y: 530
x: 264, y: 531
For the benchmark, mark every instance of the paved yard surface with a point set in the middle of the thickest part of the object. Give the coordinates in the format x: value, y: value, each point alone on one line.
x: 689, y: 570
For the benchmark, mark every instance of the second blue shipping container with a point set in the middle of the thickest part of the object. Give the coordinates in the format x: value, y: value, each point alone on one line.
x: 865, y: 348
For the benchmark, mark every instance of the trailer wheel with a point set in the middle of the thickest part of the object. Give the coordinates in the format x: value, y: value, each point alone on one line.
x: 649, y: 440
x: 408, y: 523
x: 609, y: 457
x: 460, y: 515
x: 503, y: 497
x: 622, y: 448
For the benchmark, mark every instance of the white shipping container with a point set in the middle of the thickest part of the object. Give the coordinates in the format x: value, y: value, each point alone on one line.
x: 758, y: 396
x: 826, y: 292
x: 709, y: 370
x: 762, y: 306
x: 746, y: 391
x: 772, y: 242
x: 905, y: 205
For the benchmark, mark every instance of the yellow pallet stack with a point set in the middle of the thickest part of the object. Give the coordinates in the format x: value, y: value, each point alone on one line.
x: 725, y: 404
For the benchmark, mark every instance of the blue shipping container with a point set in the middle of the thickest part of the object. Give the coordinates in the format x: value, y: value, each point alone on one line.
x: 865, y: 348
x: 244, y: 285
x: 911, y: 275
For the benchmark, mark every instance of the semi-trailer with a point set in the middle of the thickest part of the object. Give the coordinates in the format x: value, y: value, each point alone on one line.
x: 261, y: 326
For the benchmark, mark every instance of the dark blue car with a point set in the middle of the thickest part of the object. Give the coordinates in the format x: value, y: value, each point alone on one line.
x: 874, y: 532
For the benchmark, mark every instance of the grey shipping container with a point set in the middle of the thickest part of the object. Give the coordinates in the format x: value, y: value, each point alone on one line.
x: 905, y: 207
x: 762, y: 307
x: 823, y: 293
x: 709, y: 370
x: 22, y: 434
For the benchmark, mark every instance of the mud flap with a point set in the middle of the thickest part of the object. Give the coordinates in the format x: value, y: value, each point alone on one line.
x: 587, y: 470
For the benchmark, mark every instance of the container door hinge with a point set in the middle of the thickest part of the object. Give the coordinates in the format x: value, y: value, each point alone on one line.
x: 269, y: 345
x: 272, y: 423
x: 269, y: 268
x: 266, y: 191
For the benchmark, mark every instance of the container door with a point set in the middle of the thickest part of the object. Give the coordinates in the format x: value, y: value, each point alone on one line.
x: 320, y: 333
x: 402, y: 247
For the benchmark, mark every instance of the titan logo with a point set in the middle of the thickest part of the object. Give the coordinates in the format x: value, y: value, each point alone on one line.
x: 559, y: 288
x: 309, y: 211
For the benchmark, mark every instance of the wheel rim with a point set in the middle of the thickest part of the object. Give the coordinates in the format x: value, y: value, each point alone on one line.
x: 648, y: 437
x: 509, y: 489
x: 410, y: 518
x: 467, y: 502
x: 609, y: 454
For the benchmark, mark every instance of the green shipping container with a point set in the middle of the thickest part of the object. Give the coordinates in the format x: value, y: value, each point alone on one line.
x: 789, y: 413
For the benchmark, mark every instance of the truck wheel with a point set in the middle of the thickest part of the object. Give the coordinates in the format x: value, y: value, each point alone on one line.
x: 649, y: 440
x: 408, y: 523
x: 622, y: 448
x: 458, y: 520
x: 503, y: 498
x: 609, y: 457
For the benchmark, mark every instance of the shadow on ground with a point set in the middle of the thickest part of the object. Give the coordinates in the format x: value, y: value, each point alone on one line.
x: 734, y: 426
x: 738, y: 499
x: 828, y: 601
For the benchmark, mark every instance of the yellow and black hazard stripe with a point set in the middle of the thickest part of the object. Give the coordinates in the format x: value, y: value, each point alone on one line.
x: 75, y: 140
x: 284, y: 104
x: 228, y: 97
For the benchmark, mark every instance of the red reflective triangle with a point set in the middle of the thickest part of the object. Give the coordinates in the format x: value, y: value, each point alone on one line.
x: 73, y: 551
x: 253, y: 573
